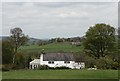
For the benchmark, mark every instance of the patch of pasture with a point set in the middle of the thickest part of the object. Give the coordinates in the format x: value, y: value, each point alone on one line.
x: 61, y: 74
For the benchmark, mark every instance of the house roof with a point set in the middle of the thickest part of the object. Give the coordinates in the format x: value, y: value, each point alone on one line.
x: 58, y: 57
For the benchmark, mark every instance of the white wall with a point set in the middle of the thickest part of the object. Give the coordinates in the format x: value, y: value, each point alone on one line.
x: 72, y: 64
x: 58, y: 64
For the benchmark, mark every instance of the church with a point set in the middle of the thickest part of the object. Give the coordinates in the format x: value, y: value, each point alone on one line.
x: 57, y: 60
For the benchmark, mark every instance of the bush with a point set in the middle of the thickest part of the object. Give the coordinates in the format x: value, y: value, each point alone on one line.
x: 115, y: 65
x: 7, y: 67
x: 43, y: 67
x: 90, y: 62
x: 52, y: 68
x: 46, y: 67
x: 19, y: 62
x: 101, y: 64
x: 106, y: 63
x: 62, y: 67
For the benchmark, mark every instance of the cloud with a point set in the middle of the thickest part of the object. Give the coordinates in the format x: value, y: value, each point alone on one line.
x: 57, y: 19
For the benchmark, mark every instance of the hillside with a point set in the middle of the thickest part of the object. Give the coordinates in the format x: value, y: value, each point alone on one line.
x: 3, y: 37
x: 52, y: 47
x: 31, y: 40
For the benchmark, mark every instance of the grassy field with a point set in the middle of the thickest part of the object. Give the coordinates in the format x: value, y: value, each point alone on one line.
x: 52, y: 47
x: 61, y: 74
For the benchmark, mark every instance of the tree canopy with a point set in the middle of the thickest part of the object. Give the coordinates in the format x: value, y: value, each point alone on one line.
x: 100, y: 40
x: 7, y: 52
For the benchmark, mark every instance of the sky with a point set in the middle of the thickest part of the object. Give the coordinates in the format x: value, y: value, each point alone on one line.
x: 56, y: 19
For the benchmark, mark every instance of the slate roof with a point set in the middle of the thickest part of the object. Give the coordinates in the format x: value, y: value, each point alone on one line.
x: 58, y: 57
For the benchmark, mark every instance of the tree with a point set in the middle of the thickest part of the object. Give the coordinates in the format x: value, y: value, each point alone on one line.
x: 100, y: 40
x: 7, y: 52
x: 19, y: 61
x: 27, y: 61
x: 17, y: 39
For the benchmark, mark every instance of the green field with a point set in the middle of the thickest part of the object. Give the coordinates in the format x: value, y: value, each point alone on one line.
x: 52, y: 47
x: 61, y: 74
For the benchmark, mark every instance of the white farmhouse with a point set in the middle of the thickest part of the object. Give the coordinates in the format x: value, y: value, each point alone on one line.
x: 57, y: 60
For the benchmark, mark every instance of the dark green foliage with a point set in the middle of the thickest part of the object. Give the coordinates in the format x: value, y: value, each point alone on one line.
x: 43, y: 67
x: 46, y: 67
x: 100, y: 40
x: 7, y: 52
x: 5, y: 68
x: 19, y: 62
x: 107, y: 63
x: 89, y: 62
x: 62, y: 67
x: 102, y: 63
x: 27, y: 61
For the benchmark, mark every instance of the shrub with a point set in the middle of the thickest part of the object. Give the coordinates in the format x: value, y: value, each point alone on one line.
x: 106, y: 63
x: 62, y: 67
x: 19, y: 62
x: 7, y: 67
x: 46, y: 67
x: 43, y: 67
x: 52, y: 68
x: 115, y: 65
x: 101, y: 63
x: 89, y: 62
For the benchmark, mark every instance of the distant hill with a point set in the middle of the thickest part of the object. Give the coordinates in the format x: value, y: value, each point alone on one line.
x: 3, y: 37
x: 31, y: 40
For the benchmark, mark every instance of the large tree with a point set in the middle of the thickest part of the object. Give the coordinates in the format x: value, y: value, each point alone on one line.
x: 17, y: 39
x: 100, y: 40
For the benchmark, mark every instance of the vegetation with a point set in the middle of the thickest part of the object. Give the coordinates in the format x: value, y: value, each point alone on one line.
x: 7, y: 52
x: 21, y: 61
x: 98, y: 48
x: 100, y: 40
x: 46, y: 67
x: 61, y: 74
x: 52, y: 47
x: 17, y: 39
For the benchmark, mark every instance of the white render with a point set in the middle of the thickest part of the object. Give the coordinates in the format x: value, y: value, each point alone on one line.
x: 36, y: 62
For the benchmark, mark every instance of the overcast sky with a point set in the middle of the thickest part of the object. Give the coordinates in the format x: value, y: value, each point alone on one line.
x: 57, y: 19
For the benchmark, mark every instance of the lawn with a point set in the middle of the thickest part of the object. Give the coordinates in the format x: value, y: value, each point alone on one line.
x: 52, y: 47
x: 61, y: 74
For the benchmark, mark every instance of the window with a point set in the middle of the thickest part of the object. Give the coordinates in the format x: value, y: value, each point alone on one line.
x: 51, y: 62
x: 67, y: 62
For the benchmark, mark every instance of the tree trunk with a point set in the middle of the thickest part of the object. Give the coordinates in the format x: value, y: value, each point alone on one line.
x: 15, y: 54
